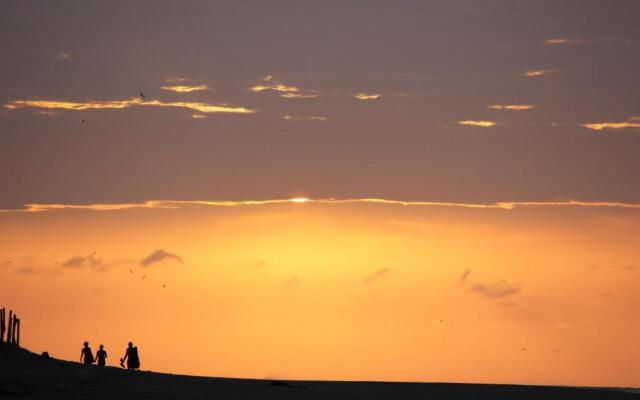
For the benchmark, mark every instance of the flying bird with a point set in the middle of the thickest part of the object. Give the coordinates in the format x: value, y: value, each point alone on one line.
x: 142, y: 95
x: 144, y: 276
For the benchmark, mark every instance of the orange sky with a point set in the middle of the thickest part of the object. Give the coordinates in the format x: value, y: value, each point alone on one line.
x: 336, y: 291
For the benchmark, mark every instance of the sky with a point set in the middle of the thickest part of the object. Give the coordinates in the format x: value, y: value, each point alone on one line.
x: 416, y: 191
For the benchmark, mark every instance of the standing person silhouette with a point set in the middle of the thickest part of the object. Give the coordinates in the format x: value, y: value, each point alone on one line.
x: 131, y: 356
x: 101, y: 356
x: 86, y: 356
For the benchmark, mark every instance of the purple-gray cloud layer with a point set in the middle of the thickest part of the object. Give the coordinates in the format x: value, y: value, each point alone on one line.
x: 434, y: 64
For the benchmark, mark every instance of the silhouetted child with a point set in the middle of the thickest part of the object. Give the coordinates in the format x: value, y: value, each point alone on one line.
x: 131, y: 356
x: 101, y: 356
x: 86, y: 356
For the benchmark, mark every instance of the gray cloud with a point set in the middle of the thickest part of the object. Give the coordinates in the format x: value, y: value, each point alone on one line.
x: 498, y: 290
x: 376, y: 275
x: 158, y: 256
x: 89, y: 261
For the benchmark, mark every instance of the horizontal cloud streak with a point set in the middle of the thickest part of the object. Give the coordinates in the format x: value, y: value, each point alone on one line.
x: 365, y: 96
x: 537, y: 73
x: 122, y: 104
x: 557, y: 41
x: 511, y: 107
x: 632, y: 123
x: 184, y: 88
x: 483, y: 124
x: 172, y: 204
x: 377, y: 275
x: 498, y: 290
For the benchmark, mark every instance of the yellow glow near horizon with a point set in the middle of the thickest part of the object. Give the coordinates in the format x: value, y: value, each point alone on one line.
x: 287, y: 290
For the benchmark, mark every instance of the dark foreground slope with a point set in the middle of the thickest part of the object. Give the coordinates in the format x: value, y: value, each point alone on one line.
x: 26, y: 375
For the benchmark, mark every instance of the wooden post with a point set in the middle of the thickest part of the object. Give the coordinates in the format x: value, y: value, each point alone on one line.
x: 2, y: 327
x: 15, y: 327
x: 18, y: 322
x: 9, y: 330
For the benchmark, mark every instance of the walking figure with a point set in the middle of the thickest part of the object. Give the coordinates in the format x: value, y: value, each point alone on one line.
x: 101, y: 356
x: 131, y: 356
x: 86, y: 356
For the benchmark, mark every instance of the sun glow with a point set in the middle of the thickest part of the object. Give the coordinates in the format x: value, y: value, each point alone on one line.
x: 299, y: 200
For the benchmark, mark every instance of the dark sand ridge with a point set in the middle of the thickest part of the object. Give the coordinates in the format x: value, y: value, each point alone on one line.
x: 27, y: 375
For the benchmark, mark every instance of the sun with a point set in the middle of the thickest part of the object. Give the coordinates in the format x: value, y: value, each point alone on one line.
x: 299, y: 200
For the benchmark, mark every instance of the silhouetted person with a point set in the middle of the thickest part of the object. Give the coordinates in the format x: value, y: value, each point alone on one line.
x: 131, y: 356
x: 86, y: 356
x: 101, y: 356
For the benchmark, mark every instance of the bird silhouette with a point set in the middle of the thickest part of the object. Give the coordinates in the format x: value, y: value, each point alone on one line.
x: 142, y: 95
x: 144, y: 276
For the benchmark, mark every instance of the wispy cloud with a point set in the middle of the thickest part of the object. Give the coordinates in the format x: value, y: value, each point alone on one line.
x: 511, y: 107
x: 285, y: 91
x: 497, y: 290
x: 318, y: 118
x: 185, y: 88
x: 483, y: 124
x: 292, y: 282
x: 122, y: 104
x: 557, y: 41
x: 299, y: 95
x: 463, y: 278
x: 377, y: 275
x: 154, y: 204
x: 367, y: 96
x: 278, y: 87
x: 537, y: 73
x: 632, y: 123
x: 175, y: 79
x: 158, y: 256
x: 198, y: 116
x: 65, y: 56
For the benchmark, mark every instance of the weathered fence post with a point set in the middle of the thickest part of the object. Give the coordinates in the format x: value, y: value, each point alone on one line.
x: 18, y: 336
x: 15, y: 328
x: 2, y: 327
x: 10, y: 323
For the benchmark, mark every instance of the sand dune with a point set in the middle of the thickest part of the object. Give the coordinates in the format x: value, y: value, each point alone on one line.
x: 27, y: 375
